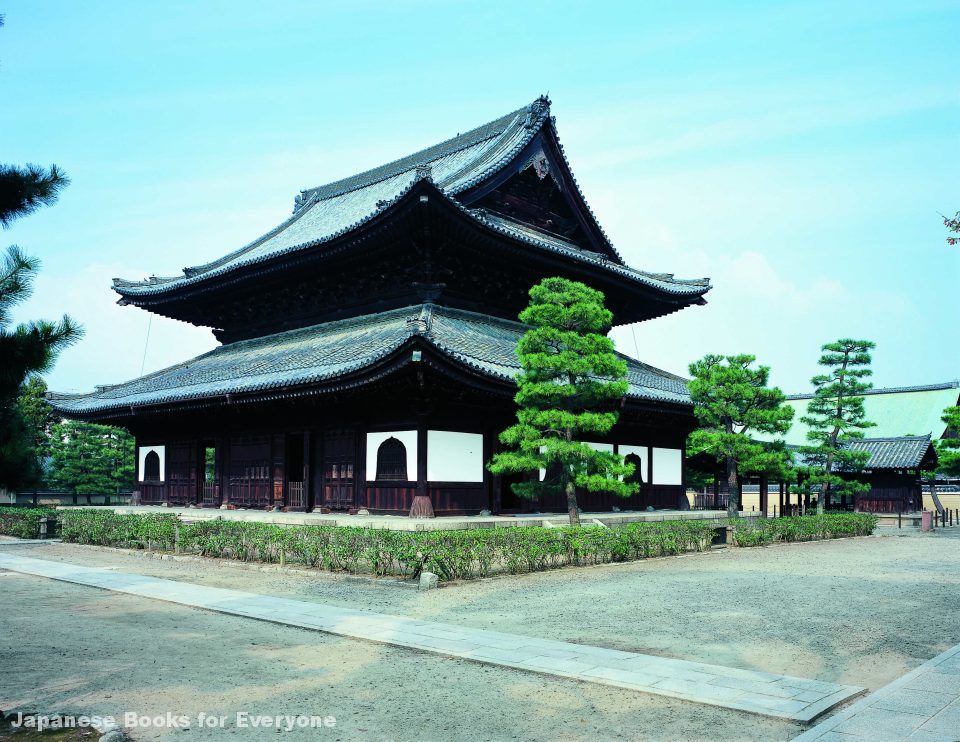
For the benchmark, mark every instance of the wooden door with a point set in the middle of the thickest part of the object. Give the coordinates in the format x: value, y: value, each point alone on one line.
x: 339, y: 465
x: 182, y: 486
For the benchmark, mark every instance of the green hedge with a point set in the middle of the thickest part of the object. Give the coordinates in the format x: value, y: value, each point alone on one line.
x: 762, y: 531
x: 22, y: 522
x: 450, y: 554
x: 453, y: 555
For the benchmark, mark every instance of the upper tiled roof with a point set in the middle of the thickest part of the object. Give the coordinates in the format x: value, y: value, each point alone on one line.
x: 898, y: 411
x: 322, y: 354
x: 327, y: 212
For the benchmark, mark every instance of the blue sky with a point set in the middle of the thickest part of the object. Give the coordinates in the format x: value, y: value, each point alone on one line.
x: 798, y: 153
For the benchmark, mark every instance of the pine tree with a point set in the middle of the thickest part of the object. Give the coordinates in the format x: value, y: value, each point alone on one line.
x: 948, y: 449
x: 90, y: 459
x: 30, y: 347
x: 38, y: 416
x: 732, y: 402
x: 952, y: 223
x: 568, y: 389
x: 836, y: 414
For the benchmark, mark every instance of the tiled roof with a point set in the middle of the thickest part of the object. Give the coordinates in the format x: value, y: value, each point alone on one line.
x: 899, y: 411
x: 905, y: 452
x: 663, y: 281
x: 323, y: 354
x: 902, y: 452
x: 896, y: 389
x: 456, y: 165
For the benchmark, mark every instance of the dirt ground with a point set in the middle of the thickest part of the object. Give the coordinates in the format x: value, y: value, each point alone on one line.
x: 855, y: 611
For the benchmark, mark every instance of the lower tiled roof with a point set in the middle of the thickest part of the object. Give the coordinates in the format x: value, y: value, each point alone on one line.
x: 322, y: 354
x: 903, y: 452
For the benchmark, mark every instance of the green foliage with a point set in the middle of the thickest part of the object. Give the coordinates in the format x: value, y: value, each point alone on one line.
x: 571, y: 380
x: 23, y: 522
x: 38, y: 415
x: 453, y: 555
x: 23, y: 190
x: 953, y: 226
x: 762, y: 531
x: 948, y: 449
x: 29, y: 347
x: 836, y: 414
x: 732, y: 401
x: 19, y: 467
x: 107, y: 528
x: 90, y: 459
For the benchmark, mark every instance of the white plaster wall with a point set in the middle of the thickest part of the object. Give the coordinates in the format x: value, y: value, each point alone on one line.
x: 407, y: 437
x: 667, y: 466
x: 594, y: 446
x: 454, y: 457
x: 640, y: 451
x: 600, y: 446
x: 161, y: 452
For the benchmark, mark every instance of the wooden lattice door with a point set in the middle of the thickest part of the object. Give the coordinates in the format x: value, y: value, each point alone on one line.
x: 182, y: 473
x: 339, y: 459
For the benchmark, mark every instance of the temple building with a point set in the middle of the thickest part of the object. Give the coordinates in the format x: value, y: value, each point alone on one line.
x: 368, y: 343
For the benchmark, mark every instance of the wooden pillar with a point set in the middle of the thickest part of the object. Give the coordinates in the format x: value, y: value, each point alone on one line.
x: 278, y: 453
x: 360, y: 471
x: 763, y: 495
x: 307, y: 484
x: 489, y: 480
x: 716, y: 491
x: 422, y: 507
x: 782, y: 488
x: 223, y: 460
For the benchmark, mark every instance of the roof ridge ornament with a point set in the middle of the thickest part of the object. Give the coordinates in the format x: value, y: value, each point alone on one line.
x: 423, y: 322
x: 538, y: 109
x: 423, y: 172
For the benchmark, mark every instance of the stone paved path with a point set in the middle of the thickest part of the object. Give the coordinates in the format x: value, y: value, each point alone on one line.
x: 763, y: 693
x: 923, y: 705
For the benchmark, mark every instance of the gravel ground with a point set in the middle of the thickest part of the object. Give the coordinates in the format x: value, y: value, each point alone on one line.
x: 856, y: 611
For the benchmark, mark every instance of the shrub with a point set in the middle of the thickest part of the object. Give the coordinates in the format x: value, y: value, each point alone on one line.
x: 452, y: 555
x: 761, y: 531
x: 106, y: 528
x: 22, y: 522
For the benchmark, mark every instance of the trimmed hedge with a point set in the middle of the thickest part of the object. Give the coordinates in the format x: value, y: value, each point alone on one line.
x: 452, y: 555
x: 762, y: 531
x: 23, y: 522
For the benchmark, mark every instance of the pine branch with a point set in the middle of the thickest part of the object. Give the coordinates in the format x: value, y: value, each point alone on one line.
x: 24, y: 190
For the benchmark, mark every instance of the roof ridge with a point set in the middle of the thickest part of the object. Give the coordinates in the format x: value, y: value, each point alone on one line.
x: 489, y: 130
x: 894, y: 389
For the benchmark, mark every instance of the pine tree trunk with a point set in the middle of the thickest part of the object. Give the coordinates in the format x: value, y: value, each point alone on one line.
x: 571, y: 489
x: 733, y: 484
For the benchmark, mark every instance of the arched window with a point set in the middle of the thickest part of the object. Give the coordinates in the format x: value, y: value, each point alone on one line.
x: 392, y: 461
x: 637, y: 476
x: 151, y: 467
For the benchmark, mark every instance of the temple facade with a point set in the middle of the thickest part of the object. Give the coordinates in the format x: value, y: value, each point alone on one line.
x: 368, y: 343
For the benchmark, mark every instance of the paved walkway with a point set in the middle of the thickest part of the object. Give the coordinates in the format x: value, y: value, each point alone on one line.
x: 923, y: 706
x: 763, y: 693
